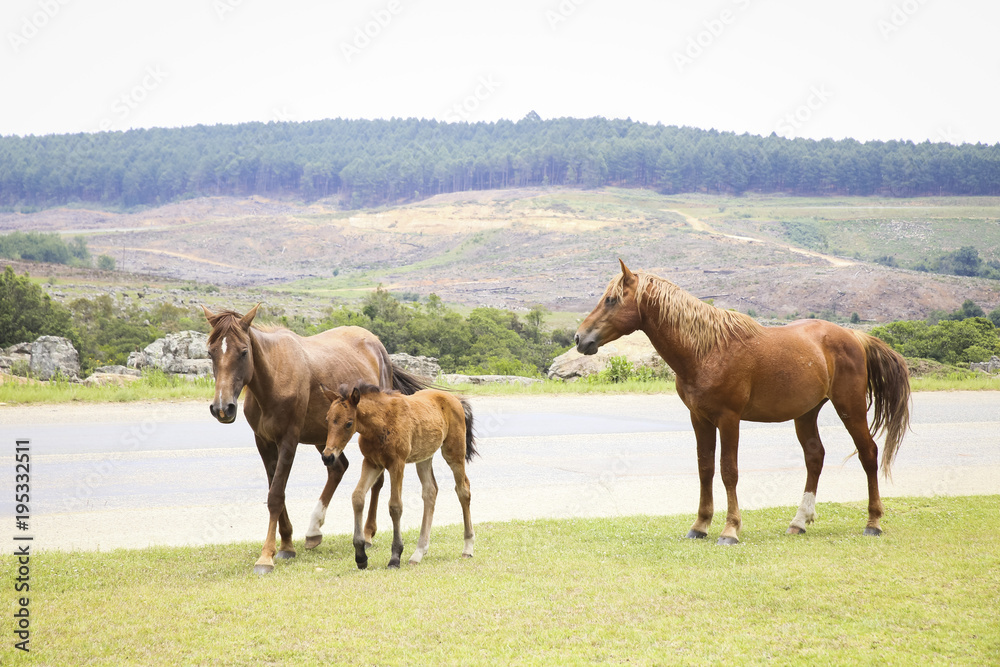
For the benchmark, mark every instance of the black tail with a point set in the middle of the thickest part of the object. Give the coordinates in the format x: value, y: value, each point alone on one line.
x: 470, y: 438
x: 407, y: 383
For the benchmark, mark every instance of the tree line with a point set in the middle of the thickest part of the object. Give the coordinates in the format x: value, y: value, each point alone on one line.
x: 375, y: 162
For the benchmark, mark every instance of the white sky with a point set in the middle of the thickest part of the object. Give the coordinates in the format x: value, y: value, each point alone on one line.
x: 869, y: 69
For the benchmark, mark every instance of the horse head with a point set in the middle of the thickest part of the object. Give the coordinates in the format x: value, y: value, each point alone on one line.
x: 616, y: 315
x: 340, y: 418
x: 229, y: 346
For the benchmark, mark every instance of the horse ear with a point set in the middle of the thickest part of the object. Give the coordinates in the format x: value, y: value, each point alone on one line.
x: 628, y: 275
x: 209, y: 315
x: 330, y: 395
x: 355, y: 396
x: 248, y: 318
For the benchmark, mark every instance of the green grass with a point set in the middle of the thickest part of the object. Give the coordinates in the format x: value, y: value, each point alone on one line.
x: 64, y: 392
x: 625, y: 590
x: 153, y: 386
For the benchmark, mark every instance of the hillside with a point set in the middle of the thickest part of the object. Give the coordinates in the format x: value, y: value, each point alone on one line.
x: 772, y: 255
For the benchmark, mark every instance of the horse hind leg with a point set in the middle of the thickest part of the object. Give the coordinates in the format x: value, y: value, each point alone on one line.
x: 396, y: 511
x: 425, y: 471
x: 854, y: 414
x: 812, y: 449
x: 334, y: 473
x: 454, y: 455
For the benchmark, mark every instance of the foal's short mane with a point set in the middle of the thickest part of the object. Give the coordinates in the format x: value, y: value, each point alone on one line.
x: 227, y: 323
x: 365, y: 389
x: 703, y: 325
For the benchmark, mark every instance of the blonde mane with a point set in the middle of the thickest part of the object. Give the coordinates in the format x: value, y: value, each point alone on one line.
x: 703, y: 326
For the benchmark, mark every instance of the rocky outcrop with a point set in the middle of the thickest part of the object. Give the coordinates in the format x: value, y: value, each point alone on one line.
x: 458, y: 378
x: 53, y: 356
x: 184, y: 353
x: 635, y: 347
x: 991, y: 366
x: 118, y: 370
x: 108, y: 379
x: 427, y: 367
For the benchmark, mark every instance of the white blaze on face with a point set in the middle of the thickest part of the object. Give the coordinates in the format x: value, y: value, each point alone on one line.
x: 224, y: 344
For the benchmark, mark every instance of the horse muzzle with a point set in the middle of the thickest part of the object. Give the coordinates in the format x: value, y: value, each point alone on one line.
x: 225, y: 413
x: 586, y: 344
x: 330, y: 459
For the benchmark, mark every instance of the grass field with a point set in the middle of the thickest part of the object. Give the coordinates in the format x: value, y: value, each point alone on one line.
x: 623, y: 590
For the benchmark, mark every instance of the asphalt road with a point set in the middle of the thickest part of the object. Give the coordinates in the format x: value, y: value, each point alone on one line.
x: 135, y: 475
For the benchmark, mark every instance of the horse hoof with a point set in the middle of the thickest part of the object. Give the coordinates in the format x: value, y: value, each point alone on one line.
x: 285, y: 555
x: 414, y: 562
x: 728, y: 540
x: 466, y: 555
x: 795, y: 530
x: 873, y: 532
x: 263, y: 569
x: 696, y: 535
x: 362, y: 564
x: 313, y: 541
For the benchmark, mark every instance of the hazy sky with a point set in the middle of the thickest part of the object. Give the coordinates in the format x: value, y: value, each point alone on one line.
x: 868, y: 69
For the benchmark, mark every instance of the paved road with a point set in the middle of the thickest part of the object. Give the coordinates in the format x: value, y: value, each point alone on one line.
x: 134, y: 475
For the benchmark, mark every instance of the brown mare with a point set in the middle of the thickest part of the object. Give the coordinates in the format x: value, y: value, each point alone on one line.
x: 282, y: 373
x: 395, y: 430
x: 730, y: 368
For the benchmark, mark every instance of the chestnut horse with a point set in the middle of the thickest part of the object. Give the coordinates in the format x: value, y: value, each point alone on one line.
x: 282, y: 373
x: 395, y: 430
x: 731, y: 368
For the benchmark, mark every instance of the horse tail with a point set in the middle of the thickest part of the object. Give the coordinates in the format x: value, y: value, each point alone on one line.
x: 470, y: 438
x: 406, y: 383
x: 888, y: 393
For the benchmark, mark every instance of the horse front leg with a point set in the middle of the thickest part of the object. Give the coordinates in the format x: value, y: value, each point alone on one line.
x: 729, y: 435
x: 278, y: 513
x: 396, y: 511
x: 705, y: 434
x: 334, y: 473
x: 369, y: 473
x: 371, y: 527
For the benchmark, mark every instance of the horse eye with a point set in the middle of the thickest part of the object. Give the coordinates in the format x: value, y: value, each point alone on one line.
x: 243, y: 354
x: 610, y: 301
x: 349, y: 424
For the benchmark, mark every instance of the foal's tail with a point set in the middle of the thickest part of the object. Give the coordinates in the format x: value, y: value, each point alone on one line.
x: 470, y: 438
x: 889, y: 393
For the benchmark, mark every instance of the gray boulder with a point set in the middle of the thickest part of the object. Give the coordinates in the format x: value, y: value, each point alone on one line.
x: 427, y: 367
x: 51, y: 356
x: 118, y: 370
x: 183, y: 353
x: 635, y: 347
x: 19, y: 352
x: 991, y: 366
x: 458, y: 378
x: 105, y: 379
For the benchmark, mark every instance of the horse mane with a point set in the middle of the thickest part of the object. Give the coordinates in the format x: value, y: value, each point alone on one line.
x: 227, y: 323
x: 702, y: 325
